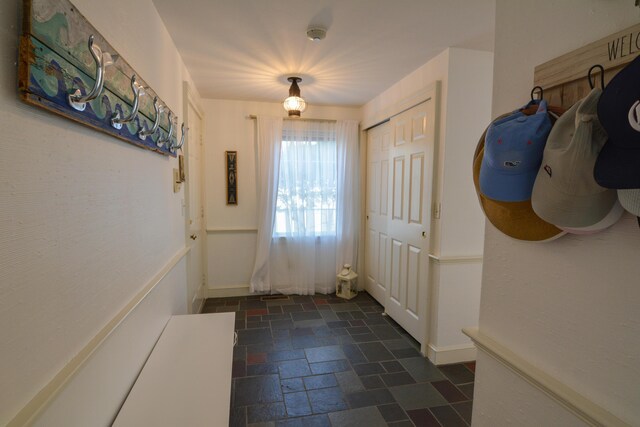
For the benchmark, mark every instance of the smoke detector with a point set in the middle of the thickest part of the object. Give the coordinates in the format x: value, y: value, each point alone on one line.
x: 316, y: 33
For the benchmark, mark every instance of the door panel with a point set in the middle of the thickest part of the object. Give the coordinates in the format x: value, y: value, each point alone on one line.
x: 377, y: 242
x: 412, y: 155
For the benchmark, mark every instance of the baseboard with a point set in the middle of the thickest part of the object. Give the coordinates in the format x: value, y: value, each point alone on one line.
x: 228, y: 291
x: 451, y: 354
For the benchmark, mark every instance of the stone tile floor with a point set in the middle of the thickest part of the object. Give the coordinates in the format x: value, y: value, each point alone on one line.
x: 319, y: 360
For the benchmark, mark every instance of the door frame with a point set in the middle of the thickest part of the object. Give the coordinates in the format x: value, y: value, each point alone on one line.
x: 430, y: 92
x: 189, y: 100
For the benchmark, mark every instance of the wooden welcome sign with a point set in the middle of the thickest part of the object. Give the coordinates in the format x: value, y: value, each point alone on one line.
x: 67, y: 67
x: 564, y: 79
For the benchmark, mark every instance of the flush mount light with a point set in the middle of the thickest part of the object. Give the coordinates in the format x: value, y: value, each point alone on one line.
x: 294, y: 104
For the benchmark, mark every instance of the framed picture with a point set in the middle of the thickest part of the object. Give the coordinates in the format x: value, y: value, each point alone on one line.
x: 232, y: 177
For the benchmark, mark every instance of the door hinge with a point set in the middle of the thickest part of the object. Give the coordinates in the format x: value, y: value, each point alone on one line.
x: 437, y: 207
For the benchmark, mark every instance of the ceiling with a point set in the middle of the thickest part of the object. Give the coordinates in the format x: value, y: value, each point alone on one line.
x: 245, y: 49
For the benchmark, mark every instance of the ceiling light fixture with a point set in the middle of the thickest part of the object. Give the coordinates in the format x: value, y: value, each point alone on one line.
x: 294, y: 104
x: 316, y: 33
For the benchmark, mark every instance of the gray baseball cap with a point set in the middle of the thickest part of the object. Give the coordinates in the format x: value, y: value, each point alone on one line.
x: 565, y: 192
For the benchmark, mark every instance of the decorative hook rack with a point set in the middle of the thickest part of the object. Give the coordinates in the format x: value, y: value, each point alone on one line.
x: 56, y: 68
x: 184, y: 131
x: 589, y: 74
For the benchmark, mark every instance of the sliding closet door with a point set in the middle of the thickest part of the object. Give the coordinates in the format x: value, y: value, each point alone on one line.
x: 409, y: 225
x: 377, y: 238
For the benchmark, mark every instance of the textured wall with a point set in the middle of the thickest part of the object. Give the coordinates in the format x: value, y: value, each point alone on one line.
x: 570, y: 307
x: 85, y: 219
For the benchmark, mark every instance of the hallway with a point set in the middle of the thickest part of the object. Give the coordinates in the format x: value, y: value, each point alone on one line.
x: 323, y: 361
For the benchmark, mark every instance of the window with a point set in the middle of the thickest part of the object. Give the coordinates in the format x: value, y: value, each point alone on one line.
x: 307, y: 185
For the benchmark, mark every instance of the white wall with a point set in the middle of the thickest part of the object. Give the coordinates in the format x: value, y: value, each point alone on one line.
x: 569, y: 307
x: 465, y: 107
x: 231, y: 236
x: 86, y: 220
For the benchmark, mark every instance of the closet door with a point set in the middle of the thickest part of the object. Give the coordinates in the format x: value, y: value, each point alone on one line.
x: 409, y: 224
x: 377, y: 212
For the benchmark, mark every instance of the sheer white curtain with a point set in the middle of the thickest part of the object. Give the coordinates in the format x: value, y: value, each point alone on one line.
x: 308, y: 206
x: 348, y: 203
x: 303, y: 254
x: 268, y: 141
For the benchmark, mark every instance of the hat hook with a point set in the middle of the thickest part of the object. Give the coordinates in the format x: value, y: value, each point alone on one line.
x: 592, y: 82
x: 540, y: 90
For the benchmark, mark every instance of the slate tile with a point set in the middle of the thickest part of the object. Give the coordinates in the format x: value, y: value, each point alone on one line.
x: 257, y: 390
x: 226, y: 309
x: 300, y: 299
x: 253, y: 304
x: 277, y: 356
x: 392, y: 412
x: 306, y: 341
x: 349, y: 381
x: 358, y: 322
x: 282, y: 324
x: 405, y: 353
x: 300, y: 332
x: 278, y: 316
x: 421, y: 369
x: 280, y: 334
x: 290, y: 385
x: 344, y: 315
x: 464, y: 409
x: 361, y: 417
x: 275, y: 309
x: 324, y: 354
x: 309, y: 306
x: 375, y: 397
x: 292, y: 308
x: 254, y: 336
x: 338, y: 324
x: 371, y: 382
x: 240, y: 324
x: 397, y: 378
x: 423, y: 418
x: 449, y: 391
x: 392, y: 366
x: 345, y: 339
x: 257, y: 312
x: 256, y: 325
x: 311, y: 323
x: 353, y: 353
x: 239, y: 352
x: 385, y: 332
x: 267, y: 412
x: 262, y: 369
x: 255, y: 358
x: 327, y: 400
x: 323, y: 331
x: 457, y: 374
x: 417, y: 396
x: 321, y: 420
x: 345, y: 307
x: 294, y: 368
x: 280, y: 344
x: 368, y: 369
x: 297, y: 404
x: 364, y: 338
x: 320, y: 381
x: 238, y: 369
x: 305, y: 315
x: 375, y: 351
x: 447, y: 416
x: 238, y: 416
x: 374, y: 319
x: 330, y: 367
x: 329, y: 315
x: 355, y: 330
x: 467, y: 389
x: 403, y: 423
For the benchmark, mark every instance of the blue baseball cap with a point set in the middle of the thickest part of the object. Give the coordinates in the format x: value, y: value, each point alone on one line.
x: 618, y: 165
x: 513, y: 153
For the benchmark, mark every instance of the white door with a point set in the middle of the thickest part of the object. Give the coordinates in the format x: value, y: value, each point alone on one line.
x: 409, y: 225
x: 194, y: 193
x: 377, y: 215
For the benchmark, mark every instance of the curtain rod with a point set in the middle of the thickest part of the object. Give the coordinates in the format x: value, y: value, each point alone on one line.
x: 253, y: 117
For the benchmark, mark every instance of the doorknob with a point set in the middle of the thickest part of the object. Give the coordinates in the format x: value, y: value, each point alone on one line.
x: 424, y: 234
x: 193, y: 237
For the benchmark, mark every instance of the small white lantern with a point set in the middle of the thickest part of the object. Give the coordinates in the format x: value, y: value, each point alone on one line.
x: 346, y: 283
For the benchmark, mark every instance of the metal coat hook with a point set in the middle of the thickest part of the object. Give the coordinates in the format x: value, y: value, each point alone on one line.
x: 161, y: 141
x: 540, y: 90
x: 143, y: 134
x: 173, y: 148
x: 102, y: 60
x: 592, y: 82
x: 138, y: 91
